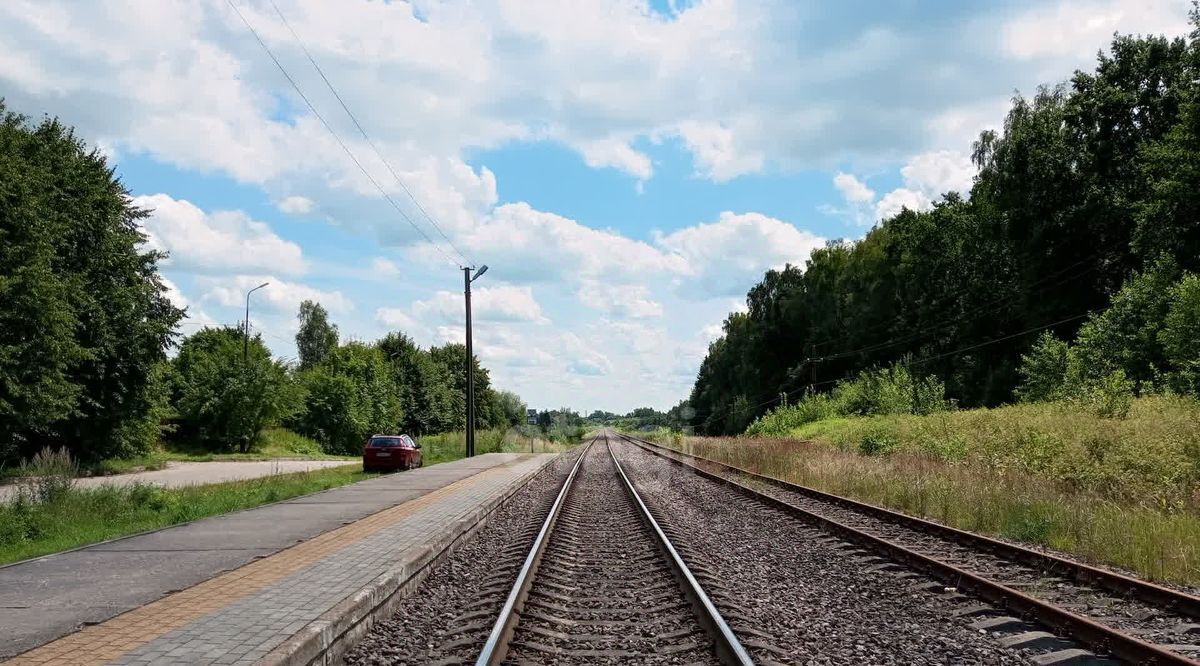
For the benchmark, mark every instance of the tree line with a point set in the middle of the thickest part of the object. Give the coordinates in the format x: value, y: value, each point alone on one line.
x: 86, y: 326
x: 1091, y: 186
x: 338, y: 393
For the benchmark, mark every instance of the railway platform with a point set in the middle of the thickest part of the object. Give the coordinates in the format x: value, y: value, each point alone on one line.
x: 286, y: 583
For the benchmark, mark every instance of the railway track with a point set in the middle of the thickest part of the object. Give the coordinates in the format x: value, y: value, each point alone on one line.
x: 602, y: 583
x: 1136, y: 621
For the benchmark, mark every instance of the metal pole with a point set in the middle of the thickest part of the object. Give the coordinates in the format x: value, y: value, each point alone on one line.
x: 470, y: 360
x: 246, y: 326
x: 246, y: 332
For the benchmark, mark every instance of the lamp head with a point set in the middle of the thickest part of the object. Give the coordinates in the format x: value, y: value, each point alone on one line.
x: 481, y: 271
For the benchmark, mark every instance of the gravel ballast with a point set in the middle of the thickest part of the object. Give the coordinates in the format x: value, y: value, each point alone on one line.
x: 793, y: 593
x: 448, y: 616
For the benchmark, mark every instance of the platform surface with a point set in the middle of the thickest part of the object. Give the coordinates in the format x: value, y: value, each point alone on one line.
x: 229, y: 589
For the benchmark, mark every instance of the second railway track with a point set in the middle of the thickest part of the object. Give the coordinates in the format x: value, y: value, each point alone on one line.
x: 1135, y: 620
x: 603, y: 584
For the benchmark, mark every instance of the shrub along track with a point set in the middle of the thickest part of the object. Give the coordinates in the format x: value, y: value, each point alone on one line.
x: 1129, y: 618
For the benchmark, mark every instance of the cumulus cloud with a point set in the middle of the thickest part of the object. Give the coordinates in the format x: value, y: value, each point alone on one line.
x: 296, y: 204
x: 395, y: 318
x: 279, y: 295
x: 897, y: 200
x: 621, y: 300
x: 1077, y: 28
x: 853, y: 190
x: 618, y: 154
x: 215, y: 242
x: 726, y: 257
x: 503, y: 303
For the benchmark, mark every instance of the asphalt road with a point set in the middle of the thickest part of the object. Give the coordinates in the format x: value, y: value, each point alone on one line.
x: 193, y: 473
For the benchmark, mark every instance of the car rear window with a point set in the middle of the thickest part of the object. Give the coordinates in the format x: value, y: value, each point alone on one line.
x: 386, y: 441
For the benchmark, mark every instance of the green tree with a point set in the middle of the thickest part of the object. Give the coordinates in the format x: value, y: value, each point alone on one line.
x: 1125, y: 336
x: 316, y: 337
x: 1180, y: 336
x: 222, y: 400
x: 84, y: 317
x: 424, y: 386
x: 348, y: 397
x: 511, y: 408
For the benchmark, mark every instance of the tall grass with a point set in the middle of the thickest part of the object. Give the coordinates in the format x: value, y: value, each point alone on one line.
x: 31, y: 526
x: 448, y: 446
x: 1123, y: 492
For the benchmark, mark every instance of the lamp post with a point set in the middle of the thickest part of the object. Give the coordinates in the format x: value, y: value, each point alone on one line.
x: 246, y: 326
x: 467, y: 280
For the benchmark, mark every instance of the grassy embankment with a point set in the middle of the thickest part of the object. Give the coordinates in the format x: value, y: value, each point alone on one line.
x: 52, y: 515
x: 1119, y: 491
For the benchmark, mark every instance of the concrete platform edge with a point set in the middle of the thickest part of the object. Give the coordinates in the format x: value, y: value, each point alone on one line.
x: 325, y: 640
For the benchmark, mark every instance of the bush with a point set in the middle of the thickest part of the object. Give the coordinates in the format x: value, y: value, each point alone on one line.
x: 1180, y: 336
x: 225, y: 396
x: 890, y: 390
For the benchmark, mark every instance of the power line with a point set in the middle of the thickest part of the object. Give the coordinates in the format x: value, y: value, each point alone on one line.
x: 367, y: 138
x: 337, y: 138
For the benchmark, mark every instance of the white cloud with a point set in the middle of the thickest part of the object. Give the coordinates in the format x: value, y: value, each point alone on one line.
x: 503, y: 303
x: 853, y: 189
x: 1078, y: 28
x: 296, y: 204
x: 215, y: 242
x: 621, y: 300
x: 898, y: 199
x: 384, y: 268
x: 395, y: 318
x: 278, y: 295
x: 938, y: 172
x: 617, y: 153
x: 726, y: 257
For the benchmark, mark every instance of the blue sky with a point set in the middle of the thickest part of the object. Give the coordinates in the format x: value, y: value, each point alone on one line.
x: 627, y: 168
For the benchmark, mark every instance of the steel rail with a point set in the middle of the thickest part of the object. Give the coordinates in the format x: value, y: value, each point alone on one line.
x: 1103, y: 637
x: 496, y: 646
x: 729, y: 648
x: 1157, y: 595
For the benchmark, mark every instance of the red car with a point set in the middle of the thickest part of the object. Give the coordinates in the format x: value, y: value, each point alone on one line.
x: 390, y: 452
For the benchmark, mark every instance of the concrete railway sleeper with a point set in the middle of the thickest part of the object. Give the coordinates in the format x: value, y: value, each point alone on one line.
x: 1136, y: 621
x: 603, y: 583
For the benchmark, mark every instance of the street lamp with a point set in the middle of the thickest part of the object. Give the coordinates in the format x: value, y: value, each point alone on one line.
x: 246, y: 326
x: 467, y: 280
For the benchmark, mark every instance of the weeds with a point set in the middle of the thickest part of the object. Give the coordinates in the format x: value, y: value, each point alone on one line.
x: 78, y: 516
x: 1123, y: 492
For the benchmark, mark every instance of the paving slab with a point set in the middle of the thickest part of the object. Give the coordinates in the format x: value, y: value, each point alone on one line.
x: 263, y: 572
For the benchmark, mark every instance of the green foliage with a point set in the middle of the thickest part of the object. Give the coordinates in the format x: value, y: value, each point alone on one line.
x: 84, y: 317
x: 1044, y: 370
x: 1088, y: 183
x: 1144, y: 342
x: 891, y: 390
x: 51, y: 473
x: 349, y: 397
x: 1180, y: 336
x: 79, y: 516
x: 224, y: 400
x: 317, y: 338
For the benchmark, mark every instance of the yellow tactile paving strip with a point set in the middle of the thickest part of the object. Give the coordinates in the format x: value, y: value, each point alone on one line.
x: 126, y: 632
